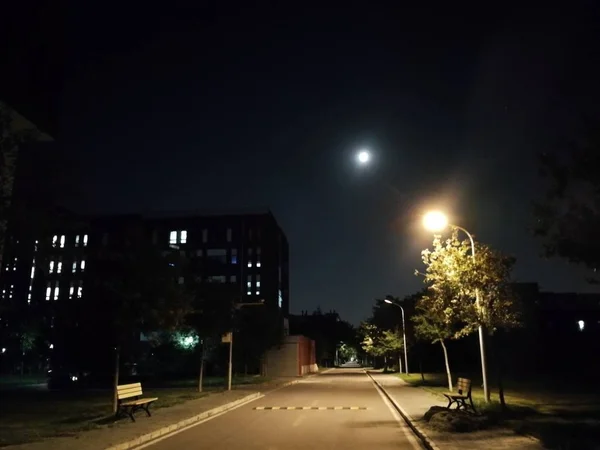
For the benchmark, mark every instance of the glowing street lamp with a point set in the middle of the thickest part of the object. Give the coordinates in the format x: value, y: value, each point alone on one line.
x: 363, y: 157
x: 437, y: 221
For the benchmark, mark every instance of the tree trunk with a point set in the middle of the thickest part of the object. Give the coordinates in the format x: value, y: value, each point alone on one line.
x: 400, y: 363
x: 116, y: 379
x: 201, y: 376
x: 496, y: 351
x: 421, y: 368
x: 447, y: 366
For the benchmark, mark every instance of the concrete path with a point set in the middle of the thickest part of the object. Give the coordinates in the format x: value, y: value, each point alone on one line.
x: 416, y: 401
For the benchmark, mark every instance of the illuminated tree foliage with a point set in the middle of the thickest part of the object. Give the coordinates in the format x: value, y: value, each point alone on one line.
x: 453, y: 278
x: 380, y: 343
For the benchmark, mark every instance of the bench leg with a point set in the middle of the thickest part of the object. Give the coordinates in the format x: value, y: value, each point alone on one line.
x: 472, y: 405
x: 146, y: 408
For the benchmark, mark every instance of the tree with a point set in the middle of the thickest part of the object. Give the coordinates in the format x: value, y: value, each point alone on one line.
x: 135, y: 291
x: 377, y: 342
x: 435, y: 323
x: 568, y: 216
x: 212, y: 310
x: 455, y: 280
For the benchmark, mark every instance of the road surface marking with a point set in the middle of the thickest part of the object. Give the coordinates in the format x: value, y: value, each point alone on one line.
x: 311, y: 408
x: 298, y: 420
x: 403, y: 426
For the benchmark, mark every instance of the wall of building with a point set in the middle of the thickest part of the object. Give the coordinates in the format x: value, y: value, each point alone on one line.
x: 295, y: 357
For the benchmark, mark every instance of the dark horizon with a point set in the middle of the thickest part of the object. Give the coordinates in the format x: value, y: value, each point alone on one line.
x: 231, y: 108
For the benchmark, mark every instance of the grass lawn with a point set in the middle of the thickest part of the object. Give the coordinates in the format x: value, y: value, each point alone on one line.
x: 28, y: 415
x: 566, y: 416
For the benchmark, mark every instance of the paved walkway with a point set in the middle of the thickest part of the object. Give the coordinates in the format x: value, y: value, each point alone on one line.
x: 416, y: 401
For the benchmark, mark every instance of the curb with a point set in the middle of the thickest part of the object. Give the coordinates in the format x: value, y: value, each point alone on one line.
x: 427, y: 442
x: 183, y: 423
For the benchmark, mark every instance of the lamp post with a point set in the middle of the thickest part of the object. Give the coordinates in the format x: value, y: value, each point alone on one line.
x: 229, y: 337
x: 437, y: 221
x: 390, y: 301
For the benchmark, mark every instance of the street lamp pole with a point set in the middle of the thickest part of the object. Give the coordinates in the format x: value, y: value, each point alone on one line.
x: 230, y: 366
x: 387, y: 300
x: 486, y: 393
x: 437, y: 221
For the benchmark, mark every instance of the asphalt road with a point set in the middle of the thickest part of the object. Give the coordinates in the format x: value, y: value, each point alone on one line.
x: 346, y: 412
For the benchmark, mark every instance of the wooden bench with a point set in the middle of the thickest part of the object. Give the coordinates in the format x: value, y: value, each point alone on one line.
x: 462, y: 394
x: 133, y: 392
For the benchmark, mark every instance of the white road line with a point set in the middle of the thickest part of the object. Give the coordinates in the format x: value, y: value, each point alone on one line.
x: 405, y: 429
x: 167, y: 436
x: 299, y: 420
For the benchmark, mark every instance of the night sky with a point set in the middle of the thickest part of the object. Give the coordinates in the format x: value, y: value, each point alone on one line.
x: 226, y: 107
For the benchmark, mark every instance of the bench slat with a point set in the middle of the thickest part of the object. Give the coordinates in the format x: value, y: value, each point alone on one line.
x: 125, y: 391
x: 141, y: 401
x: 129, y: 390
x: 127, y: 386
x: 129, y: 395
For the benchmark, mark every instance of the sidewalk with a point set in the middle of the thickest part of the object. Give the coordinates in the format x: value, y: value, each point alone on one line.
x: 416, y: 401
x: 124, y: 430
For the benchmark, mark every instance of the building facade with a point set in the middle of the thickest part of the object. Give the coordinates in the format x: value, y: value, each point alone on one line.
x: 51, y: 275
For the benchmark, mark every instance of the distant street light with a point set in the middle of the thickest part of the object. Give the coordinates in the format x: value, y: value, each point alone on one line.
x: 437, y: 221
x: 390, y: 301
x: 363, y: 157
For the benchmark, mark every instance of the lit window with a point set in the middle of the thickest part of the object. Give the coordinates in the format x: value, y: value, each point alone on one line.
x: 249, y: 284
x: 280, y: 300
x: 257, y: 292
x: 51, y: 267
x: 77, y: 241
x: 178, y: 237
x: 85, y: 240
x: 257, y: 263
x: 82, y: 265
x: 248, y: 293
x: 258, y: 284
x: 79, y: 291
x: 15, y: 264
x: 54, y: 240
x: 71, y: 290
x: 74, y: 266
x: 249, y: 263
x: 59, y: 267
x: 234, y: 256
x: 62, y: 241
x: 228, y: 234
x: 32, y: 272
x: 581, y: 325
x: 56, y: 291
x: 29, y: 297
